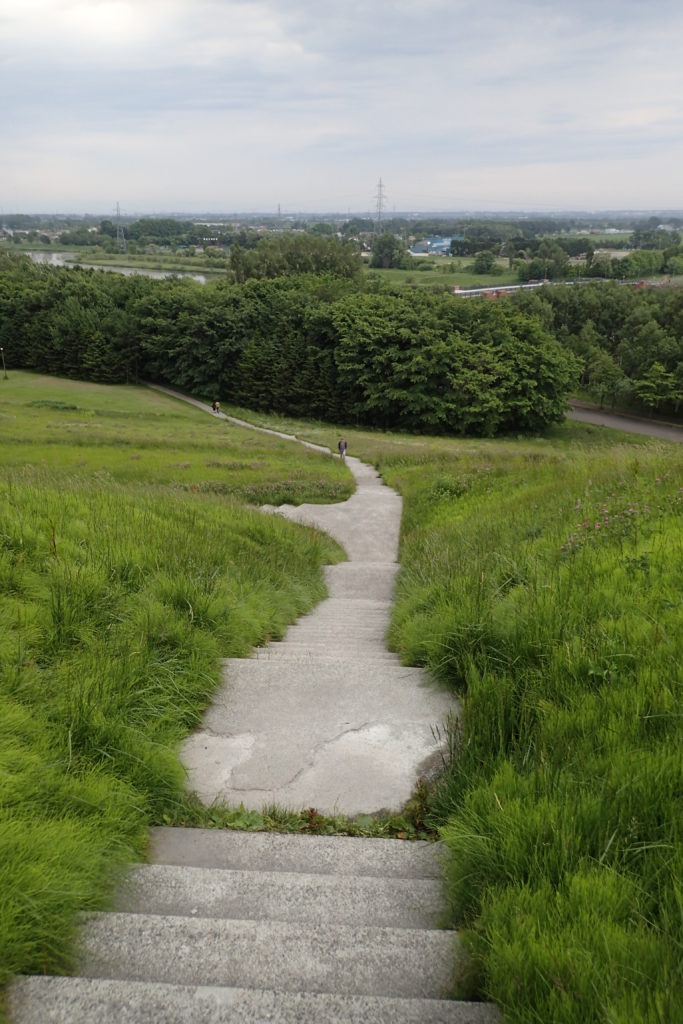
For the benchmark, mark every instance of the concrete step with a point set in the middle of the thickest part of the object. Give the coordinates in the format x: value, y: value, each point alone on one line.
x: 342, y: 644
x: 339, y: 605
x: 326, y: 627
x: 330, y: 651
x: 339, y: 640
x: 322, y: 656
x: 336, y: 634
x: 331, y: 690
x: 374, y: 581
x: 176, y: 890
x: 344, y: 612
x: 275, y: 851
x: 45, y: 1000
x: 363, y: 624
x: 397, y: 962
x: 259, y: 675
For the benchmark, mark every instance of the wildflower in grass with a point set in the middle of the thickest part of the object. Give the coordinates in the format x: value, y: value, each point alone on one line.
x: 618, y: 519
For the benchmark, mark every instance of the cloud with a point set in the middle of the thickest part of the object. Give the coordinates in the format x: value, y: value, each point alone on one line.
x: 308, y: 103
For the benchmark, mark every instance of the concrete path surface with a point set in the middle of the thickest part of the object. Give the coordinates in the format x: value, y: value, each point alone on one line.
x: 328, y: 718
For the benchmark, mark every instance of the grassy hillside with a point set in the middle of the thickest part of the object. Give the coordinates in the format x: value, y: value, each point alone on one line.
x: 128, y: 568
x: 547, y: 589
x: 541, y: 579
x: 139, y: 437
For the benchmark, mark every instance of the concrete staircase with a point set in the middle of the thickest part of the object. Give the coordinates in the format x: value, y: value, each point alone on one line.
x: 227, y: 927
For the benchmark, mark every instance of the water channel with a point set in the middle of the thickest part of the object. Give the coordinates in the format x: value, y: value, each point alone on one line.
x: 69, y: 259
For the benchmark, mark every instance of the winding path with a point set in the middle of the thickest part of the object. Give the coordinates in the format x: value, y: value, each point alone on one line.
x: 240, y: 928
x: 328, y: 718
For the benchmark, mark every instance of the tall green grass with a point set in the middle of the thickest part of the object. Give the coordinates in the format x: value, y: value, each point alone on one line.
x: 140, y: 437
x: 541, y: 579
x: 546, y: 588
x: 118, y: 598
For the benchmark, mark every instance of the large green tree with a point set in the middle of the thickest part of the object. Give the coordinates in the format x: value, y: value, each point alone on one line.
x: 388, y: 252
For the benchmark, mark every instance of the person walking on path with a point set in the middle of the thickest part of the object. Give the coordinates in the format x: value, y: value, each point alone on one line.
x: 216, y: 406
x: 342, y: 446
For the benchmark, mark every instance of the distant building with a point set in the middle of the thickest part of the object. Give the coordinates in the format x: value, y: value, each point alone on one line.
x: 433, y: 246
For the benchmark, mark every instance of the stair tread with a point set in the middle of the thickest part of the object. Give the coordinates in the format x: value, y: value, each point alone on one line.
x: 181, y: 890
x: 48, y: 1000
x: 292, y: 957
x: 275, y: 851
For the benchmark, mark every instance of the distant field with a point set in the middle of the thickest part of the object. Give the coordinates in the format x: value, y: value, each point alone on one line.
x: 95, y: 256
x: 444, y: 271
x: 603, y: 238
x: 162, y: 262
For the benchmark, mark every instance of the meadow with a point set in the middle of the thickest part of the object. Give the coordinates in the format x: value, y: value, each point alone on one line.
x: 547, y: 590
x: 541, y: 580
x: 130, y: 564
x: 443, y: 272
x: 169, y: 263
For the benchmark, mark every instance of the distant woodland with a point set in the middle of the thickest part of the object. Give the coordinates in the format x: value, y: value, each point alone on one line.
x: 298, y: 330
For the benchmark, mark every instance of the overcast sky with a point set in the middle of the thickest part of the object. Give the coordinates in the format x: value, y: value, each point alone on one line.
x: 216, y: 105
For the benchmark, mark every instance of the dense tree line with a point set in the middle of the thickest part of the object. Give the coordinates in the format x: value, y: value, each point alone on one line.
x: 295, y: 254
x: 564, y: 258
x: 310, y: 345
x: 629, y: 341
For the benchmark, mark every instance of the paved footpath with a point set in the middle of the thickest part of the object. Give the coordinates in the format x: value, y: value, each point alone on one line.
x: 327, y: 718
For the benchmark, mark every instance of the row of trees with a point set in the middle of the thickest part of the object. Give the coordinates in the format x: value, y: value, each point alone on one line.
x: 325, y: 344
x: 629, y: 341
x: 308, y: 345
x: 550, y: 259
x: 158, y: 232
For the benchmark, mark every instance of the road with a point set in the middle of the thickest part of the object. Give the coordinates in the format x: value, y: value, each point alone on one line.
x: 618, y: 421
